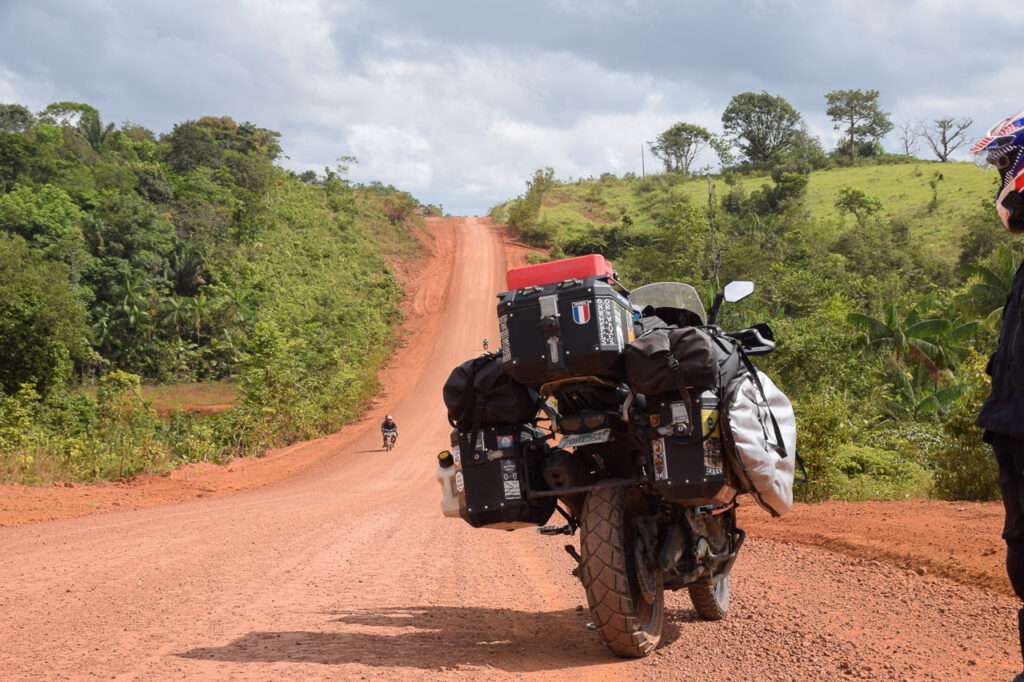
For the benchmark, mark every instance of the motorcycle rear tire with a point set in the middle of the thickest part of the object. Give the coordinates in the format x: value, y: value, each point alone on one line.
x: 711, y: 601
x: 628, y: 623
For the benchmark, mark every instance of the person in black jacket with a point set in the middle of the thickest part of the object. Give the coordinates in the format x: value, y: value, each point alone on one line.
x: 1002, y: 414
x: 388, y: 425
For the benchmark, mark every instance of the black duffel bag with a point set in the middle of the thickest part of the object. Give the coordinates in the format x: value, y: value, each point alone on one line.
x: 664, y: 360
x: 478, y: 392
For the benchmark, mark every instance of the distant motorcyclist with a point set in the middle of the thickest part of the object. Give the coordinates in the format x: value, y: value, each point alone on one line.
x: 485, y: 343
x: 388, y: 426
x: 1002, y: 415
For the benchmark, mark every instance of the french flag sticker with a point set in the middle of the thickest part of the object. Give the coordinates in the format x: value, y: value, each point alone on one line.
x: 581, y: 312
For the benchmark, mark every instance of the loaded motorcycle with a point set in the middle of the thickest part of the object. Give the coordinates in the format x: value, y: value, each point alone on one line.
x: 638, y: 442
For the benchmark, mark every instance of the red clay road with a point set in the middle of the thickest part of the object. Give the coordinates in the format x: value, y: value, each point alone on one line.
x: 345, y: 569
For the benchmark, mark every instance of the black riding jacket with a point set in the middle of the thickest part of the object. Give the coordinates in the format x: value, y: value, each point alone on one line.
x: 389, y: 426
x: 1003, y: 412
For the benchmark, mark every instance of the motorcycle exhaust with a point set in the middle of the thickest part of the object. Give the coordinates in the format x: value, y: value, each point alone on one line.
x: 563, y: 470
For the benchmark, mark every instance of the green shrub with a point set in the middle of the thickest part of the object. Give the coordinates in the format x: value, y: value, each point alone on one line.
x: 965, y: 468
x: 874, y: 473
x: 524, y: 214
x: 127, y: 430
x: 41, y: 320
x: 823, y: 425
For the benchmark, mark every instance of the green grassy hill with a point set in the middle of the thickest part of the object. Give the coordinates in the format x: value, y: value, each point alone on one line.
x: 904, y: 190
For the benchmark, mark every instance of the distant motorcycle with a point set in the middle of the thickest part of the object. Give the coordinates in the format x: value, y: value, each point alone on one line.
x: 390, y: 435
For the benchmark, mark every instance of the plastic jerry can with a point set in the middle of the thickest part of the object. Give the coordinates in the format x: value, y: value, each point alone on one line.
x: 447, y: 475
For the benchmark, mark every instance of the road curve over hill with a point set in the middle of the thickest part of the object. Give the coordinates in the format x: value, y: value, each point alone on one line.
x: 347, y: 570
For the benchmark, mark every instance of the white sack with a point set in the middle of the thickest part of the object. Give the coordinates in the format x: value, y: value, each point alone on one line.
x: 756, y: 455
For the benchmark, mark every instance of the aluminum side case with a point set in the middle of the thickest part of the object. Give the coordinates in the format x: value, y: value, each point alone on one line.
x: 577, y: 327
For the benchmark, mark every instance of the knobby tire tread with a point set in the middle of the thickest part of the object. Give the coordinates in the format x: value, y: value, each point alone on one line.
x: 605, y: 579
x: 706, y: 603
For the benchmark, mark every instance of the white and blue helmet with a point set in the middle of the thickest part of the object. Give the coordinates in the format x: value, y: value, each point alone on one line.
x: 1003, y: 148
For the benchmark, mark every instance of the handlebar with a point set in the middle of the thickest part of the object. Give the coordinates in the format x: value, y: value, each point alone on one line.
x: 756, y: 340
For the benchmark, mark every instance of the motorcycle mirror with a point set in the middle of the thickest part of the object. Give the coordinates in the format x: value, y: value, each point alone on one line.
x: 738, y: 290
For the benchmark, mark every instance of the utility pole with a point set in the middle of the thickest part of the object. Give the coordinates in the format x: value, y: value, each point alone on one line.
x: 643, y: 168
x: 716, y: 252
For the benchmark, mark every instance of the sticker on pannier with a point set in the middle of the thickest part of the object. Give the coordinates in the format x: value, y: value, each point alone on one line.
x: 762, y: 434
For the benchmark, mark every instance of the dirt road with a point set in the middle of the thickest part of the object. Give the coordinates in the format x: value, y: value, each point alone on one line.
x: 347, y: 570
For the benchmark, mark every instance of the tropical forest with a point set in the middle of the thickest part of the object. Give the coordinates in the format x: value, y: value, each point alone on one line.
x: 131, y: 260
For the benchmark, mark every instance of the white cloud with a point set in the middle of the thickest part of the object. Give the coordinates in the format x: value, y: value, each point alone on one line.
x: 461, y: 101
x: 402, y: 157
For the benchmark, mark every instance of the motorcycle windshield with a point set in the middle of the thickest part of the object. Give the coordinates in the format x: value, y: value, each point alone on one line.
x: 668, y: 295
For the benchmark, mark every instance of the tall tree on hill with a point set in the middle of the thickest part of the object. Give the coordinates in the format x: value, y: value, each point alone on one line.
x: 762, y: 126
x: 857, y: 113
x: 66, y: 113
x: 946, y: 135
x: 678, y: 146
x: 15, y: 118
x: 90, y: 125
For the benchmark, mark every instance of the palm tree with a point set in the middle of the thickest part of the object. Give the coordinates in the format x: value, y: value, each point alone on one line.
x: 242, y: 302
x: 103, y: 331
x: 135, y: 306
x: 946, y: 350
x: 176, y: 312
x: 199, y: 306
x: 186, y: 267
x: 93, y: 130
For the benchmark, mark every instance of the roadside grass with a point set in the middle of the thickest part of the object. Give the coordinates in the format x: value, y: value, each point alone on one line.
x: 206, y: 397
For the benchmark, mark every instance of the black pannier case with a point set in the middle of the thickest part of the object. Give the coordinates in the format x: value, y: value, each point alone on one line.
x: 491, y: 478
x: 687, y: 464
x: 577, y: 327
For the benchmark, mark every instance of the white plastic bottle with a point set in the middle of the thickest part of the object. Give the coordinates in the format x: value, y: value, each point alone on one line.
x: 447, y: 474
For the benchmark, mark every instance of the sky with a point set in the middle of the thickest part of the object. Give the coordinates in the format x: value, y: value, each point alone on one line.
x: 459, y: 102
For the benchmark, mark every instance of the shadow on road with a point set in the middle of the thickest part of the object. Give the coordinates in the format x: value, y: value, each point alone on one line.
x: 435, y: 637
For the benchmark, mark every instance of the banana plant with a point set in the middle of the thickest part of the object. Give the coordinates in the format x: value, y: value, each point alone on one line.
x: 947, y: 349
x: 914, y: 403
x: 985, y: 297
x: 909, y: 334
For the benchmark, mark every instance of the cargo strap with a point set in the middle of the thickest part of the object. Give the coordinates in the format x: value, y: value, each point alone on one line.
x: 677, y: 376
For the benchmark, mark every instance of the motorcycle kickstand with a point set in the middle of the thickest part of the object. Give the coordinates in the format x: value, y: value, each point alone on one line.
x: 571, y: 551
